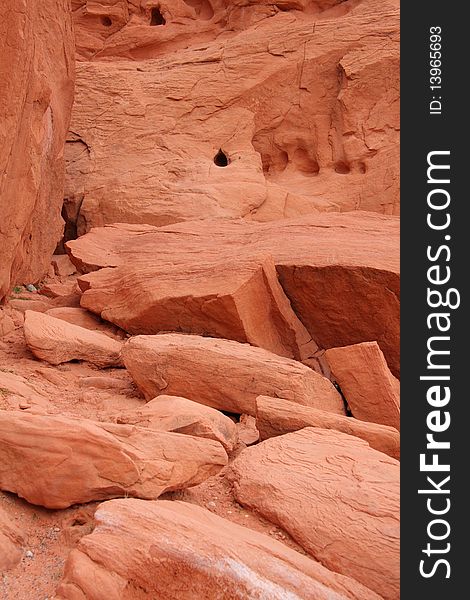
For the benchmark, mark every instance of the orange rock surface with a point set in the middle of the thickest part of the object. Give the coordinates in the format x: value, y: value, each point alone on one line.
x: 371, y: 391
x: 223, y: 374
x: 336, y: 496
x: 199, y: 277
x: 275, y: 416
x: 300, y: 97
x: 57, y: 461
x: 138, y: 547
x: 36, y: 94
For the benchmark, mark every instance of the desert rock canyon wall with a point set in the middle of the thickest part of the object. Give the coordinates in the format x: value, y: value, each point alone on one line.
x: 200, y: 296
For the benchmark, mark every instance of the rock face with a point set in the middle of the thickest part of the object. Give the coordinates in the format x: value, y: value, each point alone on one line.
x: 338, y: 498
x: 211, y: 108
x: 194, y: 277
x: 58, y: 461
x: 11, y: 541
x: 16, y: 392
x: 180, y: 415
x: 213, y: 559
x: 57, y: 341
x: 222, y: 374
x: 37, y: 75
x: 372, y: 392
x: 275, y: 416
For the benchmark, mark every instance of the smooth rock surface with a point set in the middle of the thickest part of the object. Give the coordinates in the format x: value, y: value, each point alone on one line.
x: 336, y: 496
x: 180, y: 415
x: 179, y: 551
x: 275, y: 416
x: 370, y: 389
x: 223, y: 374
x: 58, y: 461
x: 37, y: 75
x: 56, y: 341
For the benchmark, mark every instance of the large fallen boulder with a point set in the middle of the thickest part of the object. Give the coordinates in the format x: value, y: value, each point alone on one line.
x: 275, y: 416
x: 180, y: 415
x: 179, y: 551
x: 223, y: 374
x: 58, y: 461
x: 336, y: 496
x: 11, y: 541
x: 57, y: 341
x: 211, y: 277
x: 371, y: 391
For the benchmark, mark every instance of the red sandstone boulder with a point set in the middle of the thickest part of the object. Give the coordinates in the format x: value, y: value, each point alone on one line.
x: 86, y: 319
x: 180, y: 415
x: 275, y: 416
x: 62, y: 265
x: 58, y: 461
x: 205, y: 277
x: 180, y: 551
x: 336, y: 496
x: 372, y: 392
x: 222, y: 373
x: 57, y: 341
x: 11, y: 541
x: 18, y: 393
x: 37, y: 74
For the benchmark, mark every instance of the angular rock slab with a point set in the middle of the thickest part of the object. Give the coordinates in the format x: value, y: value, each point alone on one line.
x: 179, y: 551
x: 37, y: 74
x: 180, y: 415
x: 336, y: 496
x: 275, y: 416
x: 332, y: 267
x: 58, y: 461
x: 56, y: 341
x: 372, y: 392
x: 11, y: 541
x: 223, y: 374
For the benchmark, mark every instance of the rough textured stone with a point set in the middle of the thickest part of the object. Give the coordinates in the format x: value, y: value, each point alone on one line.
x: 336, y: 496
x: 58, y: 461
x: 37, y: 74
x: 372, y: 392
x: 86, y: 319
x: 62, y: 265
x: 180, y: 415
x: 16, y: 392
x: 179, y: 551
x: 185, y: 277
x: 57, y: 341
x: 222, y: 374
x: 275, y: 416
x: 302, y: 97
x: 11, y: 541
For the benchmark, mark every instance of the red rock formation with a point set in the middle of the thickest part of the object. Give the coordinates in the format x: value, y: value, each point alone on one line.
x: 199, y: 277
x: 371, y: 391
x: 179, y: 551
x: 11, y: 540
x: 56, y: 341
x: 334, y: 495
x: 57, y: 461
x: 180, y: 415
x: 37, y: 73
x: 222, y: 374
x: 275, y: 416
x: 301, y: 98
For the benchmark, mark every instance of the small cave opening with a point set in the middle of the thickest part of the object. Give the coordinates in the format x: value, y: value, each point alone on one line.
x: 221, y: 159
x: 156, y: 17
x: 342, y: 167
x: 106, y: 21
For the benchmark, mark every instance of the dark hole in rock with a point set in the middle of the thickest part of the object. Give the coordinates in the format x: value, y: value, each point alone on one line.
x: 221, y: 159
x: 156, y: 17
x: 342, y: 168
x: 106, y: 21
